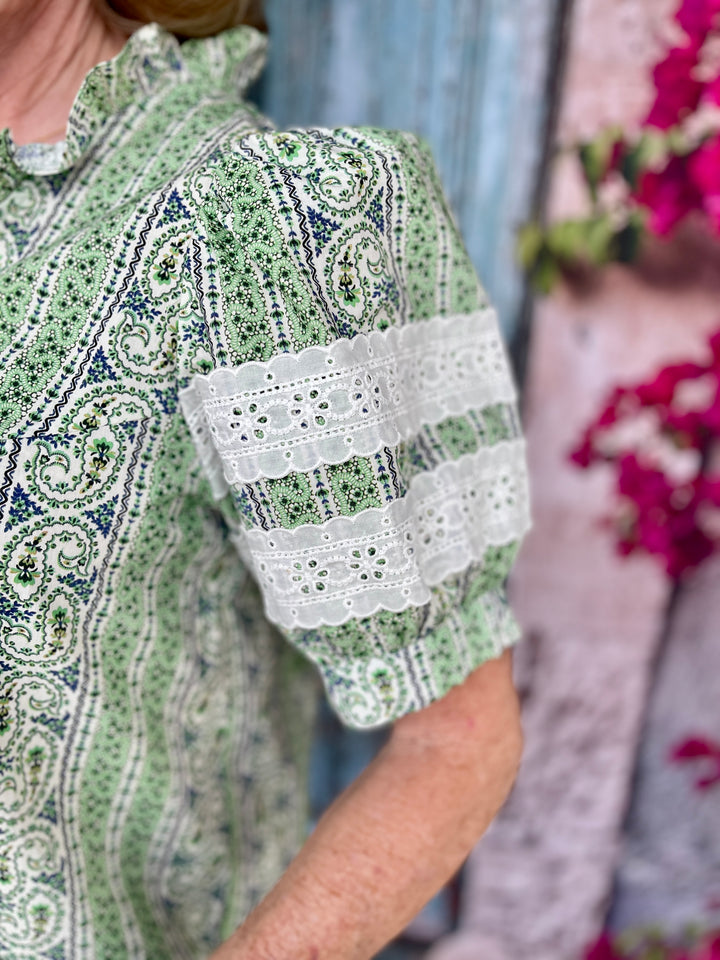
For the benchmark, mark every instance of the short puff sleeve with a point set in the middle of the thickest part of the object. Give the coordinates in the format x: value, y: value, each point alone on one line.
x: 356, y: 406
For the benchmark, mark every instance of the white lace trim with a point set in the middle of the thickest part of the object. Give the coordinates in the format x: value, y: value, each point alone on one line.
x: 387, y: 558
x: 327, y: 404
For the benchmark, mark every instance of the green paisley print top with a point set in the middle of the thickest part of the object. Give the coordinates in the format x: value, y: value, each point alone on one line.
x: 251, y: 392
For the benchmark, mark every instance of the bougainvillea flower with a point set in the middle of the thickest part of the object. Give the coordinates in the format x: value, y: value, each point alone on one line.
x: 703, y: 167
x: 666, y: 517
x: 671, y: 515
x: 583, y: 455
x: 712, y: 91
x: 712, y: 948
x: 617, y: 155
x: 711, y: 491
x: 698, y: 17
x: 685, y: 429
x: 694, y: 747
x: 688, y: 546
x: 669, y: 194
x: 644, y: 484
x: 661, y: 389
x: 678, y: 90
x: 603, y: 949
x: 700, y: 748
x: 612, y: 410
x: 710, y: 417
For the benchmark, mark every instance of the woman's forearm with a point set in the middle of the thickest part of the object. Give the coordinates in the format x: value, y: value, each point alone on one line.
x: 396, y: 835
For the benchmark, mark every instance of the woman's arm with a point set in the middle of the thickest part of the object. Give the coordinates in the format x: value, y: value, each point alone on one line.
x: 397, y: 834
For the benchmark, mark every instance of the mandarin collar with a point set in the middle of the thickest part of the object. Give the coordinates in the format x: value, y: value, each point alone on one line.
x: 151, y: 59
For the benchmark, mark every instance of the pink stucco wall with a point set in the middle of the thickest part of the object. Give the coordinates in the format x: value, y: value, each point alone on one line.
x: 539, y: 882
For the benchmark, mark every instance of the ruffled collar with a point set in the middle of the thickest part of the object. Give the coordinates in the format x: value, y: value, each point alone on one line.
x: 151, y: 59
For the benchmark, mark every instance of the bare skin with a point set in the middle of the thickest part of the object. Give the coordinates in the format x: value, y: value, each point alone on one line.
x: 46, y: 48
x: 397, y: 834
x: 404, y: 827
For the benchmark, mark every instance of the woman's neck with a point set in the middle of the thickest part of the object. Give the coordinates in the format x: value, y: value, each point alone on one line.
x: 46, y: 49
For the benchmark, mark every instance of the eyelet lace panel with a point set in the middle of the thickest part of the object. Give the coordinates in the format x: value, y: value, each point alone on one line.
x: 388, y: 558
x: 327, y: 404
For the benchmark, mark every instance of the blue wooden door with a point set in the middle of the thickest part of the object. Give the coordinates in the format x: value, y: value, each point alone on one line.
x: 469, y: 75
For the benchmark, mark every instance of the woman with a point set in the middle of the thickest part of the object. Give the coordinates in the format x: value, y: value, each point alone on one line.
x: 251, y: 393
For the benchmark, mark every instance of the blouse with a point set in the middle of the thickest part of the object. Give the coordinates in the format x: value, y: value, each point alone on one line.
x: 251, y: 392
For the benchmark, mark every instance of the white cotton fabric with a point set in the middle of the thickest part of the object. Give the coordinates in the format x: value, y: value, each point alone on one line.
x: 387, y: 558
x: 352, y: 398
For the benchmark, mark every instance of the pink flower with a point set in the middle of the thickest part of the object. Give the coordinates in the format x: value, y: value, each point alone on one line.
x: 698, y: 17
x: 710, y: 417
x: 669, y: 194
x: 673, y: 521
x: 685, y: 429
x: 678, y: 91
x: 617, y: 156
x: 688, y: 547
x: 699, y: 748
x: 665, y: 517
x: 583, y: 455
x: 603, y: 949
x: 710, y: 491
x: 704, y: 170
x: 712, y: 91
x: 645, y: 485
x: 713, y: 948
x: 694, y: 747
x: 661, y: 390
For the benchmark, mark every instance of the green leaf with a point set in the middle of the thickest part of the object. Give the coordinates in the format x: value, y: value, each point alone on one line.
x: 628, y: 240
x: 651, y: 150
x: 599, y: 237
x: 587, y: 240
x: 566, y: 239
x: 677, y: 141
x: 530, y: 242
x: 631, y: 168
x: 546, y: 273
x: 595, y: 157
x: 592, y: 165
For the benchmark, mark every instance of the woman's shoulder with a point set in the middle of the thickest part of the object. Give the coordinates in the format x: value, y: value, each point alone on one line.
x: 339, y: 163
x: 329, y: 231
x: 320, y: 185
x: 298, y: 145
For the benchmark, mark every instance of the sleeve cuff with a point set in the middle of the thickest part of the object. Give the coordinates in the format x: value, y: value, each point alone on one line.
x: 375, y: 689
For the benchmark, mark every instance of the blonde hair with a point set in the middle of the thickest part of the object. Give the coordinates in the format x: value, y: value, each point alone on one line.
x: 184, y: 18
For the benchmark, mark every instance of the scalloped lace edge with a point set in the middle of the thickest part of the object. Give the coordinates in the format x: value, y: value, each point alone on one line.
x: 210, y: 401
x: 388, y: 558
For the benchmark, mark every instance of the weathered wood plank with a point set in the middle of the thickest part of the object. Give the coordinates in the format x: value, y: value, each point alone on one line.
x: 669, y: 873
x: 469, y: 75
